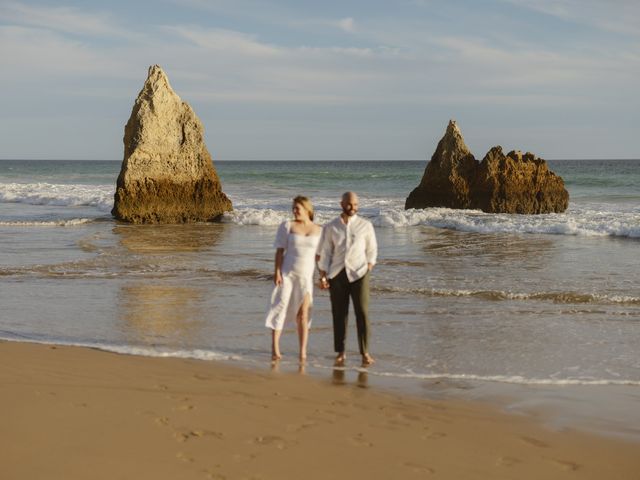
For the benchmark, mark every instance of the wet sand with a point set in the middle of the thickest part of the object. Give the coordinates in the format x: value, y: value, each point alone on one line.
x: 77, y: 413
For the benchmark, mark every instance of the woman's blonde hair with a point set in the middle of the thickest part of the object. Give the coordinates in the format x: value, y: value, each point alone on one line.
x: 306, y: 204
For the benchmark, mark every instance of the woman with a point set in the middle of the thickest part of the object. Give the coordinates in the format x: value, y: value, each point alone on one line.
x: 296, y: 244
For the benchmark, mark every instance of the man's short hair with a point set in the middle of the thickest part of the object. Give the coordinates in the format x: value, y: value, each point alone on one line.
x: 346, y: 195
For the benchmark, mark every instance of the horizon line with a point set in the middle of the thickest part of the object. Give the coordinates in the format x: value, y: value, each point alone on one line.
x: 295, y: 160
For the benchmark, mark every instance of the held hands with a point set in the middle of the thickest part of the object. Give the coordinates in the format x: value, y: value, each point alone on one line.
x: 324, y: 283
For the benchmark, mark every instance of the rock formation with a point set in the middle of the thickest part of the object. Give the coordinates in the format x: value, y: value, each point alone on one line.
x: 446, y: 178
x: 167, y: 174
x: 514, y: 183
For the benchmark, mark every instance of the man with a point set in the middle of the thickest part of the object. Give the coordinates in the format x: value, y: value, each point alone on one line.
x: 347, y: 253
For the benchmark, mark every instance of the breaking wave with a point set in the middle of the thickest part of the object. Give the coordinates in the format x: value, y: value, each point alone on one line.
x: 580, y: 220
x: 63, y: 195
x: 590, y: 223
x: 53, y: 223
x: 497, y: 295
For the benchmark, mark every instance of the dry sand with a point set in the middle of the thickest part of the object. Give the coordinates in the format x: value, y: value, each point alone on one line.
x: 74, y: 413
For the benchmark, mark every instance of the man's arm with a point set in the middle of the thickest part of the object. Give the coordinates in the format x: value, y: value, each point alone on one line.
x: 324, y: 252
x: 371, y: 247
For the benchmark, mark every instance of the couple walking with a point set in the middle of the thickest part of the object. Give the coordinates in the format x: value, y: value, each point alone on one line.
x: 345, y: 251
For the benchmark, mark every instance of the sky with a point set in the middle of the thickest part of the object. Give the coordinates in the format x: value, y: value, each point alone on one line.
x: 326, y: 80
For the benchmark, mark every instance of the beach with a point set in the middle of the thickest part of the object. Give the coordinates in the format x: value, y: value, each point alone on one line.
x: 506, y: 345
x: 150, y: 153
x: 73, y: 412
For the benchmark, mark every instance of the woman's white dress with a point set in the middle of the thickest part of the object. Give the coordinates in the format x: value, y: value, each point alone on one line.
x: 298, y: 266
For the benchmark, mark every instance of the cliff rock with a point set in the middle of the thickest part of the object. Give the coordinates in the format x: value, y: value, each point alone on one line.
x: 512, y: 183
x: 167, y: 175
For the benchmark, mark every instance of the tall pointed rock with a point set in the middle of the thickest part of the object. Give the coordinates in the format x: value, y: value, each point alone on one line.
x: 445, y: 182
x: 167, y: 174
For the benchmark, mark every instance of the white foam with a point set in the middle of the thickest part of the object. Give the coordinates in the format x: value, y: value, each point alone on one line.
x: 210, y: 355
x: 255, y: 216
x: 267, y: 216
x: 557, y: 297
x: 582, y: 220
x: 140, y: 351
x: 54, y: 223
x: 577, y: 222
x: 65, y: 195
x: 513, y: 379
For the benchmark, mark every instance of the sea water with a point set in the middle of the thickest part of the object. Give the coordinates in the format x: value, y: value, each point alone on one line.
x: 542, y: 310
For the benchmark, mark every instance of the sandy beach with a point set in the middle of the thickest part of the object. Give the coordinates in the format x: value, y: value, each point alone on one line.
x: 78, y: 413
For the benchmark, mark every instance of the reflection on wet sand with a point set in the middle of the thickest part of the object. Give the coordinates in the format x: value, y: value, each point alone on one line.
x: 154, y: 313
x: 171, y: 312
x: 338, y: 377
x: 498, y: 247
x: 169, y: 238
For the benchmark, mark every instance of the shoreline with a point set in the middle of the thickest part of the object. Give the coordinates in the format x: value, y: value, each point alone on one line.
x: 602, y: 410
x: 77, y: 412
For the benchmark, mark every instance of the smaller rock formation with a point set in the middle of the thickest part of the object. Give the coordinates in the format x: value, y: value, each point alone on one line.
x: 512, y: 183
x: 167, y: 174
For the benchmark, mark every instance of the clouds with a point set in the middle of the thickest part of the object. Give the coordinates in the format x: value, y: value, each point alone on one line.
x: 347, y: 24
x: 381, y: 74
x: 68, y: 20
x: 619, y: 16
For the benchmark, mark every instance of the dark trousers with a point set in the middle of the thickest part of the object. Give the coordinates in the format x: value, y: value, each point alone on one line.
x: 340, y: 291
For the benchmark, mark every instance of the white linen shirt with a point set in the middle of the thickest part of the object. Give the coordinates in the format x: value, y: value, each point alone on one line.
x: 351, y: 246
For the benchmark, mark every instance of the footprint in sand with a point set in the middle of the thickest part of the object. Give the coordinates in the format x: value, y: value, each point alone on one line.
x: 566, y: 465
x: 534, y: 441
x: 185, y: 403
x: 256, y: 404
x: 508, y: 461
x: 184, y: 408
x: 183, y: 436
x: 410, y: 417
x: 212, y: 474
x: 335, y: 414
x: 271, y: 441
x: 434, y: 436
x: 360, y: 441
x: 239, y: 458
x: 326, y: 416
x: 295, y: 428
x: 208, y: 433
x: 184, y: 457
x: 162, y: 421
x: 417, y: 468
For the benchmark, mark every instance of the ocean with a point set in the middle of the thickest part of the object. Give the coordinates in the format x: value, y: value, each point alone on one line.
x: 540, y: 313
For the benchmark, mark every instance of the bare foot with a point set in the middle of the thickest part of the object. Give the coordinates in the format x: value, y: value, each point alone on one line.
x: 340, y: 359
x: 275, y: 356
x: 367, y: 360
